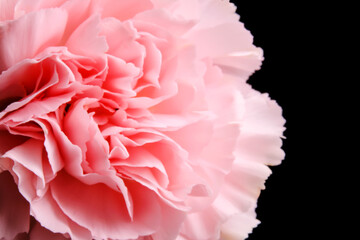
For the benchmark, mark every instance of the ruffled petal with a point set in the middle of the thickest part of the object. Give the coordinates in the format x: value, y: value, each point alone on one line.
x: 47, y: 212
x: 108, y: 209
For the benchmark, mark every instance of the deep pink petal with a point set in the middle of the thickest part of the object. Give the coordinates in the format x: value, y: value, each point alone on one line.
x: 38, y: 232
x: 14, y: 209
x: 8, y: 141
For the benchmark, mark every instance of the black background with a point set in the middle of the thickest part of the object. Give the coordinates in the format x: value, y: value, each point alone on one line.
x: 288, y: 208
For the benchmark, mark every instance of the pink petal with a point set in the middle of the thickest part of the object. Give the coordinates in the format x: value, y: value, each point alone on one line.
x: 165, y: 20
x: 122, y: 10
x: 14, y: 209
x: 262, y: 129
x: 79, y: 114
x: 26, y: 181
x: 122, y: 40
x: 221, y: 40
x: 7, y: 9
x: 193, y: 143
x: 241, y: 64
x: 108, y: 217
x: 48, y: 77
x: 39, y: 29
x: 46, y: 211
x: 85, y: 40
x: 239, y: 226
x: 151, y: 68
x: 73, y: 158
x: 205, y: 11
x: 78, y: 12
x: 141, y: 158
x: 218, y: 154
x: 172, y: 220
x: 24, y: 6
x: 201, y: 225
x: 29, y: 154
x: 121, y: 77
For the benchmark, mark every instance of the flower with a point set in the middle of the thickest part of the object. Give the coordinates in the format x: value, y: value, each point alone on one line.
x: 131, y: 119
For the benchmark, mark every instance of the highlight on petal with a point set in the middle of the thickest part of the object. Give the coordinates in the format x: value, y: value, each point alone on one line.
x: 27, y: 36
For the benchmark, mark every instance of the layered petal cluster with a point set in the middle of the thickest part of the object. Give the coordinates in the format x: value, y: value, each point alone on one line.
x: 131, y: 119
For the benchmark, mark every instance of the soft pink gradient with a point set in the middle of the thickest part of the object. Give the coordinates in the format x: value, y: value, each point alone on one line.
x: 131, y: 119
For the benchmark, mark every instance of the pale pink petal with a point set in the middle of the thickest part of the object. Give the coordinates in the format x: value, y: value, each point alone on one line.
x: 201, y: 225
x: 168, y: 88
x: 238, y: 226
x: 122, y: 10
x: 24, y: 6
x: 14, y: 209
x: 241, y: 64
x: 7, y: 9
x: 218, y: 154
x: 85, y: 40
x: 222, y: 39
x: 172, y: 220
x: 122, y: 41
x: 165, y: 20
x: 193, y: 143
x: 262, y: 127
x: 204, y: 12
x: 179, y: 103
x: 38, y: 29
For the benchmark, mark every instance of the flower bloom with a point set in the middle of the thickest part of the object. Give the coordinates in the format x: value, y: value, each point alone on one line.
x: 131, y: 119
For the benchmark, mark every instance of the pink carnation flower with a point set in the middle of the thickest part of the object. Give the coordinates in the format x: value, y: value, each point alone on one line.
x: 131, y: 119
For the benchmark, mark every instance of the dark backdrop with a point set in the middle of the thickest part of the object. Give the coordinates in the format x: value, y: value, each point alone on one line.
x: 287, y: 208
